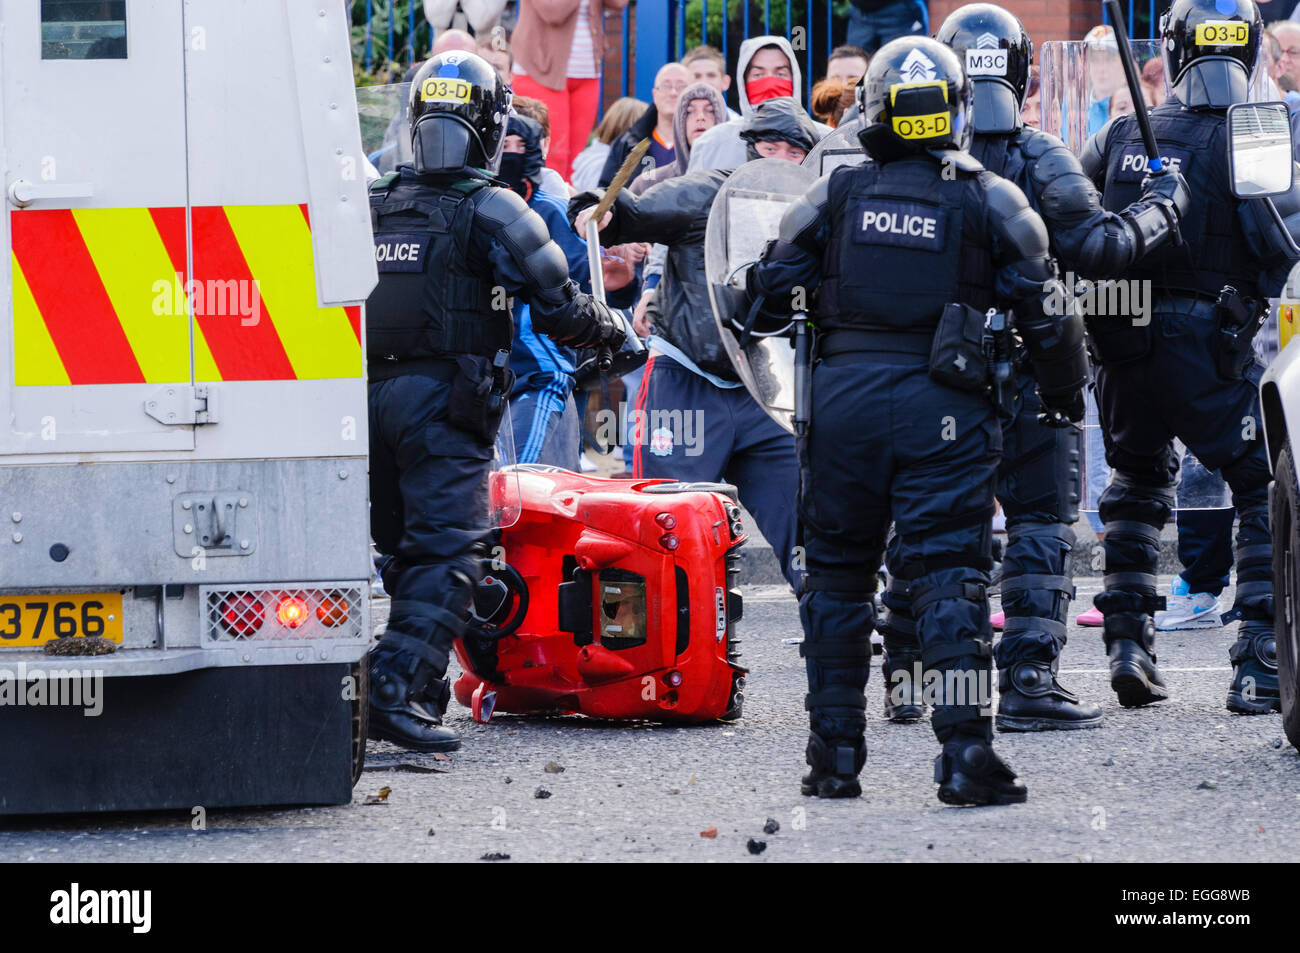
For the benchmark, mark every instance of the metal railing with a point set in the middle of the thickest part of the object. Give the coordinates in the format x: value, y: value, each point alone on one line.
x: 390, y: 35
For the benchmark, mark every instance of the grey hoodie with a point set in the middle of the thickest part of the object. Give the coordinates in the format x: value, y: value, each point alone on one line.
x: 721, y: 147
x: 683, y: 148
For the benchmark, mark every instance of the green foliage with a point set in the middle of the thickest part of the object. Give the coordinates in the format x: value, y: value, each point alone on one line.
x: 383, y: 70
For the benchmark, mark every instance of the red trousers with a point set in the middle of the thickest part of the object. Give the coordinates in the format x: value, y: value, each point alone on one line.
x: 573, y: 114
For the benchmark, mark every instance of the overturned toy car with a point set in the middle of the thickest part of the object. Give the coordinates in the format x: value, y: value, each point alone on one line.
x: 610, y: 598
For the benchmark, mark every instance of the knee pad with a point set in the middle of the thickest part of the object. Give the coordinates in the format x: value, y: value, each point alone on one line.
x: 1132, y: 547
x: 1127, y: 499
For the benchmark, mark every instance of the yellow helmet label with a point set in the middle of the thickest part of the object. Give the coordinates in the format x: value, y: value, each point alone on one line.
x: 440, y: 90
x: 922, y: 127
x: 1222, y: 33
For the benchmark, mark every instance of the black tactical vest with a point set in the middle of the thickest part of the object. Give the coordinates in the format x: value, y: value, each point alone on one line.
x: 429, y: 301
x: 1214, y: 252
x: 905, y: 243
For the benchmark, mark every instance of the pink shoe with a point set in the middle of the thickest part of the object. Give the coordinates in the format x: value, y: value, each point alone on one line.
x: 998, y: 620
x: 1092, y: 617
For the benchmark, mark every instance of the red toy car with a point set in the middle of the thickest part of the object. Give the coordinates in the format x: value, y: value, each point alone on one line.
x: 612, y: 598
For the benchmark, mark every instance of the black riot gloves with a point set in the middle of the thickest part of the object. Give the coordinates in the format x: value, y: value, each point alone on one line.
x: 1169, y: 192
x: 585, y: 323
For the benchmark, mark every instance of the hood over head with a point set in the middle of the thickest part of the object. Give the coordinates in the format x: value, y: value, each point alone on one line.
x: 522, y: 171
x: 747, y: 50
x: 689, y: 94
x: 779, y: 119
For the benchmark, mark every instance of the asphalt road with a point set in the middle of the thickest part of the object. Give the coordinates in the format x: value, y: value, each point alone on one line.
x: 1181, y: 781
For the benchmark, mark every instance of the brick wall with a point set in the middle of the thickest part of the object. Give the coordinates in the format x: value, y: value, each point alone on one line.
x: 1044, y: 19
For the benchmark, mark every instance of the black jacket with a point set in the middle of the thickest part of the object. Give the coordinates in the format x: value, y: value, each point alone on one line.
x: 674, y: 213
x: 618, y: 150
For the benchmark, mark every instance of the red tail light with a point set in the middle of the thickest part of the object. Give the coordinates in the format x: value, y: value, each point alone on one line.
x: 242, y: 614
x: 291, y: 611
x: 666, y: 520
x: 669, y: 541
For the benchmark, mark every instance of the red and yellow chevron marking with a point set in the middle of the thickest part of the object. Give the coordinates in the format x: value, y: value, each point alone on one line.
x: 99, y: 298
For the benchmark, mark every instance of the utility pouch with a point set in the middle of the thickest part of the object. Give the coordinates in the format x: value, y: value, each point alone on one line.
x: 957, y: 356
x: 1238, y: 321
x: 479, y: 394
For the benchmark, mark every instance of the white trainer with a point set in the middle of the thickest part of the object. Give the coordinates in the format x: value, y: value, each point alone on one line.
x: 1189, y: 610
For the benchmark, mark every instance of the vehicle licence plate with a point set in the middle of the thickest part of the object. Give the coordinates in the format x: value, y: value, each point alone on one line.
x: 31, y: 620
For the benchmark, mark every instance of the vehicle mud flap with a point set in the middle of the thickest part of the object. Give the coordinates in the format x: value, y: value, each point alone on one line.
x: 219, y: 737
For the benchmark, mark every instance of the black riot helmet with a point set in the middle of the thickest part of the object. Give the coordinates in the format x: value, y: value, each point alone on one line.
x: 459, y: 106
x: 914, y: 98
x: 1210, y: 48
x: 997, y: 52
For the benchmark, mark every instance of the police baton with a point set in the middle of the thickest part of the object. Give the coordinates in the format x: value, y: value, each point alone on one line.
x: 605, y: 357
x: 1155, y: 165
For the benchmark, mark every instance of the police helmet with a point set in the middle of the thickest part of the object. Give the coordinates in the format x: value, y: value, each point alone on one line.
x: 914, y: 98
x: 1210, y: 48
x: 459, y: 105
x: 997, y: 52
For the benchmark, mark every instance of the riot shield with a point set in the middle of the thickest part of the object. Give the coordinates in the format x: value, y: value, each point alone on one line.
x: 384, y: 113
x: 840, y: 147
x: 1078, y: 80
x: 746, y: 214
x: 504, y: 494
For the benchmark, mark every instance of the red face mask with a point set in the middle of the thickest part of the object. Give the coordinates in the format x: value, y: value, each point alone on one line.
x: 768, y: 87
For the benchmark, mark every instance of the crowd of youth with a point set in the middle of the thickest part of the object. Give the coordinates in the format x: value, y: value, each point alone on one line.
x: 652, y: 260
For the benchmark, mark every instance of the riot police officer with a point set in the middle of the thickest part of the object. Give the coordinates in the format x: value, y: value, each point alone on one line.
x: 452, y: 243
x: 909, y: 252
x: 1189, y: 372
x: 1039, y: 477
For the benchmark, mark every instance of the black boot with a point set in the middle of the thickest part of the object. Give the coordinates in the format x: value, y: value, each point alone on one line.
x: 1130, y: 638
x: 970, y: 772
x: 835, y: 766
x: 1031, y: 699
x: 1254, y: 688
x: 408, y: 716
x: 903, y: 701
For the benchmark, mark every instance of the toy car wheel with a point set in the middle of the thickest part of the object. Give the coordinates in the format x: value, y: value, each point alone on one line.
x: 1286, y: 581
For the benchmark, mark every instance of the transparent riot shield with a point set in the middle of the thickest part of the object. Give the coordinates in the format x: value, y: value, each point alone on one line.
x: 384, y: 113
x: 746, y: 214
x: 1082, y: 86
x: 506, y: 500
x: 840, y: 147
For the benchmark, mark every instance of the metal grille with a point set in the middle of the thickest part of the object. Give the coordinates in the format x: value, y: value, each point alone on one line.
x: 293, y: 612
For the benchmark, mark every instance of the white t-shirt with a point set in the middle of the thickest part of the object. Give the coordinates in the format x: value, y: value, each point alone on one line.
x: 582, y: 54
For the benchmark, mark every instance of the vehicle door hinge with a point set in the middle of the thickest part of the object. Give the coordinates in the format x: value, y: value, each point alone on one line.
x: 180, y: 404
